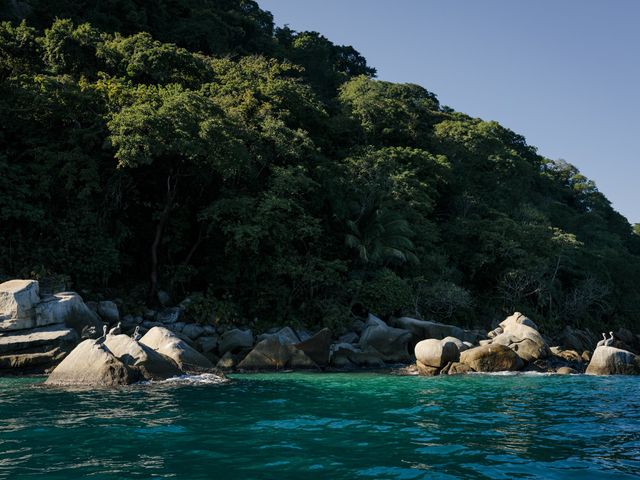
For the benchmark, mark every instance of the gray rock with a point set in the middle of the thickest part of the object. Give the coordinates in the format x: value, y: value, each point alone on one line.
x: 317, y: 347
x: 460, y: 345
x: 436, y: 353
x: 169, y: 315
x: 207, y: 343
x: 34, y: 351
x: 149, y: 325
x: 174, y: 327
x: 269, y: 354
x: 227, y: 362
x: 92, y: 364
x: 351, y: 337
x: 209, y: 330
x: 491, y: 358
x: 150, y: 364
x: 346, y: 355
x: 192, y: 330
x: 303, y: 334
x: 421, y: 329
x: 286, y: 335
x: 67, y: 308
x: 235, y: 340
x: 167, y: 343
x: 391, y: 343
x: 163, y: 298
x: 613, y: 361
x: 18, y: 299
x: 108, y: 311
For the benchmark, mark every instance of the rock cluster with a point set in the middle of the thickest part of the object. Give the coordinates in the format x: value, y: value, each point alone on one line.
x: 120, y: 360
x: 35, y: 332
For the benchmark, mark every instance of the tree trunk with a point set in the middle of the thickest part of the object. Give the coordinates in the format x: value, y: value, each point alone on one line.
x: 162, y: 222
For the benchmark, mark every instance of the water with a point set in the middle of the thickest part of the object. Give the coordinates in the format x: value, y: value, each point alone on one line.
x: 329, y: 426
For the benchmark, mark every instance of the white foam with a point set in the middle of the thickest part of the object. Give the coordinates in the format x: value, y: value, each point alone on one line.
x: 202, y: 379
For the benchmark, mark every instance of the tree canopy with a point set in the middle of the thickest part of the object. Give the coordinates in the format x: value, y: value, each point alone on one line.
x: 192, y: 147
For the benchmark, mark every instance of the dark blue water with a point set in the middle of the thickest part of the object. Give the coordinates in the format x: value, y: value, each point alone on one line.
x: 326, y: 426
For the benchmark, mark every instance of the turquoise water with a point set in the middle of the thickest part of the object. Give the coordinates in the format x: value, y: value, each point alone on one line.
x: 332, y: 426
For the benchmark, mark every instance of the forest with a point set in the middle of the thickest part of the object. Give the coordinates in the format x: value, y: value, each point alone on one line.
x: 191, y: 148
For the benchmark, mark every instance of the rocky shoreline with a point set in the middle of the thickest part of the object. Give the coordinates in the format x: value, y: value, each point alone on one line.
x: 62, y: 335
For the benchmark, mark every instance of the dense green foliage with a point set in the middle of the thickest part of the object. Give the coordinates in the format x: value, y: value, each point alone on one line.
x: 191, y: 147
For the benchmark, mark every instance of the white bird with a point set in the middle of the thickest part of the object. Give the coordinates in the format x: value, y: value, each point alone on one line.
x: 136, y: 333
x: 609, y: 341
x: 101, y: 340
x: 115, y: 330
x: 601, y: 342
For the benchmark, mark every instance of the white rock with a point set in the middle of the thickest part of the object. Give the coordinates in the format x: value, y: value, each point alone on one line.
x: 17, y: 301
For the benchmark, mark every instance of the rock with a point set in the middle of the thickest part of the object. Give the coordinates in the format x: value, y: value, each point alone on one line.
x: 68, y: 308
x: 586, y: 356
x: 269, y: 354
x: 286, y: 335
x: 461, y: 346
x: 18, y: 299
x: 92, y: 364
x: 167, y: 343
x: 208, y: 344
x: 192, y: 330
x: 38, y: 337
x: 576, y: 339
x: 485, y: 342
x: 522, y: 339
x: 456, y: 368
x: 108, y: 311
x: 495, y: 332
x: 346, y: 355
x: 227, y: 362
x: 427, y: 370
x: 135, y: 355
x: 491, y: 358
x: 421, y: 329
x: 613, y: 361
x: 209, y: 330
x: 566, y: 371
x: 351, y: 337
x: 391, y: 343
x: 235, y: 340
x: 629, y: 340
x: 300, y: 361
x: 163, y: 298
x: 317, y: 348
x: 174, y: 327
x: 436, y: 353
x: 517, y: 319
x: 169, y: 315
x: 34, y: 351
x: 373, y: 321
x: 357, y: 326
x: 303, y: 334
x: 567, y: 355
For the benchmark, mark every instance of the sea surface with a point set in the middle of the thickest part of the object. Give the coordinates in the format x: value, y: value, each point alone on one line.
x: 329, y: 426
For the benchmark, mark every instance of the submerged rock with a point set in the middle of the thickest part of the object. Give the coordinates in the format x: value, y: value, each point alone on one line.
x: 613, y: 361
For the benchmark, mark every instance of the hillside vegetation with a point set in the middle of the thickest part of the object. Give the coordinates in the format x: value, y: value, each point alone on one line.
x: 191, y: 147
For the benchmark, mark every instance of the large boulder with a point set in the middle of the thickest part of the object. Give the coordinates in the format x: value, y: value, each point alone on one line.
x: 269, y: 354
x: 35, y: 350
x: 348, y: 356
x: 391, y: 343
x: 613, y: 361
x: 421, y: 329
x: 18, y: 299
x: 436, y: 353
x: 108, y: 311
x: 273, y: 353
x: 235, y: 340
x: 167, y: 343
x: 286, y: 336
x: 92, y: 364
x: 517, y: 319
x: 491, y: 358
x: 317, y: 347
x: 152, y: 365
x: 576, y: 339
x: 70, y: 309
x: 523, y: 339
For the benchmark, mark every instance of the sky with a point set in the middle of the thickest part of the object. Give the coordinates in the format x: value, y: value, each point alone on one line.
x: 565, y: 74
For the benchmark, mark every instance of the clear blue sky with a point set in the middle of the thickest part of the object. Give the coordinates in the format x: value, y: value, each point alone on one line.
x: 563, y: 73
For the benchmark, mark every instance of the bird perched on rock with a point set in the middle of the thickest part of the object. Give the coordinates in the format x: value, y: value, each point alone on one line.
x: 601, y: 342
x: 101, y: 340
x: 136, y: 333
x: 115, y: 330
x: 609, y: 341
